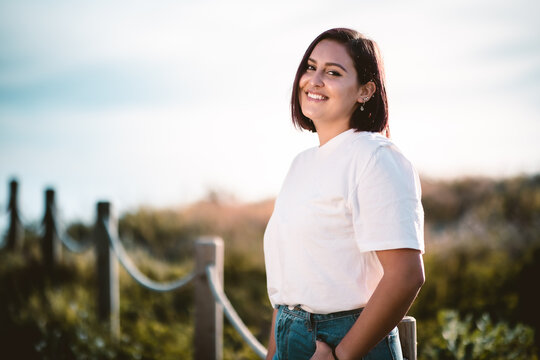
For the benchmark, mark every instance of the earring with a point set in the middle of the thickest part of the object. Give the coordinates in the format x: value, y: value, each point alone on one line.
x: 362, y: 106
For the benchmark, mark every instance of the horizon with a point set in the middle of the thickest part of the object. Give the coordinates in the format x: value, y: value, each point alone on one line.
x: 222, y: 198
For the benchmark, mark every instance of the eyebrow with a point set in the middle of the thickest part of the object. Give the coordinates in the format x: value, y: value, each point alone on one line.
x: 330, y: 64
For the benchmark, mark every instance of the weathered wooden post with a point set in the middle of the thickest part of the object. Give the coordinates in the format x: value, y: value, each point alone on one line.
x: 51, y: 247
x: 407, y: 337
x: 15, y: 231
x: 107, y: 269
x: 208, y: 313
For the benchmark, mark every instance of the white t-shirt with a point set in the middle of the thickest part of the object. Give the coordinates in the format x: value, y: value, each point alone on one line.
x: 339, y: 203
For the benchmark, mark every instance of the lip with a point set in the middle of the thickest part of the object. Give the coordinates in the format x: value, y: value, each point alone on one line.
x: 315, y: 96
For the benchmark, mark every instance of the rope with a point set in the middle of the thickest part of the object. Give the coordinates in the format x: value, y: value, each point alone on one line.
x: 76, y: 246
x: 23, y: 219
x: 6, y: 225
x: 136, y: 274
x: 231, y: 314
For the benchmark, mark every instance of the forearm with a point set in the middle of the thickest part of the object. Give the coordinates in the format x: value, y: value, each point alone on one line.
x: 389, y: 303
x: 272, y: 339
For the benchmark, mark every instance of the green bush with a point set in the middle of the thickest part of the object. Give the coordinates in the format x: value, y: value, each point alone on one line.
x: 466, y: 339
x: 44, y: 317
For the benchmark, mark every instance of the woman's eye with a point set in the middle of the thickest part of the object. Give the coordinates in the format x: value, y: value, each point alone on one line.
x: 310, y: 67
x: 334, y: 73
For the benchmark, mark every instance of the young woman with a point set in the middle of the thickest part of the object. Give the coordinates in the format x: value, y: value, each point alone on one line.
x: 343, y: 246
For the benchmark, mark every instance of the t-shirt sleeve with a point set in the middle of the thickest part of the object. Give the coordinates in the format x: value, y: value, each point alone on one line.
x: 386, y: 203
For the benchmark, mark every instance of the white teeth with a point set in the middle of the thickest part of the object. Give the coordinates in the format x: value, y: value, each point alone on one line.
x: 315, y: 96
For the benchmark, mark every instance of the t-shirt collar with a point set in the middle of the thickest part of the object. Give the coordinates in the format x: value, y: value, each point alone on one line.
x: 336, y: 140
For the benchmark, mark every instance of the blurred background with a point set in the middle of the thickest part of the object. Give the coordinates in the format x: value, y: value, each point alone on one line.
x: 178, y: 113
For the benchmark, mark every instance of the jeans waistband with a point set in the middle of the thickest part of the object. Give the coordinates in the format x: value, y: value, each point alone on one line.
x: 298, y: 311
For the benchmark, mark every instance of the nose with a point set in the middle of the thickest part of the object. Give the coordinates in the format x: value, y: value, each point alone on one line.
x: 316, y: 79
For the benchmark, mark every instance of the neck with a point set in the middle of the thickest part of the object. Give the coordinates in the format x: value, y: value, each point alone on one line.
x: 327, y: 131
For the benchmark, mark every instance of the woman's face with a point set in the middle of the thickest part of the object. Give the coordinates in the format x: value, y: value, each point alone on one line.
x: 329, y: 89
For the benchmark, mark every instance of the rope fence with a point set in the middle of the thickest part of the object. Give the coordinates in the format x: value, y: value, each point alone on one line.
x: 210, y: 298
x: 232, y: 315
x: 136, y: 274
x: 75, y: 246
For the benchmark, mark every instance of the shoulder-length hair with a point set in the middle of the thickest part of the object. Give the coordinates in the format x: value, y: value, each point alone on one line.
x: 368, y: 63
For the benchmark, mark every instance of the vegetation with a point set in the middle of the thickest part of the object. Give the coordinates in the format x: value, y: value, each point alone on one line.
x: 479, y: 301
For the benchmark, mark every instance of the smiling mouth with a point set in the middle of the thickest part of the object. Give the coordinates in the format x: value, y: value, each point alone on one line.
x: 316, y: 96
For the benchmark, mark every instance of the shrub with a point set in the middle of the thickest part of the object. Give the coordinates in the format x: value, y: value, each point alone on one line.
x: 465, y: 339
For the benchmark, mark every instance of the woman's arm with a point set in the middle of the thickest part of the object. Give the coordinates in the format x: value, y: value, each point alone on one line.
x: 402, y: 279
x: 272, y: 339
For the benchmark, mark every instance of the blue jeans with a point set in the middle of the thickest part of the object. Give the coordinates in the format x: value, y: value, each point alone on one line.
x: 297, y: 330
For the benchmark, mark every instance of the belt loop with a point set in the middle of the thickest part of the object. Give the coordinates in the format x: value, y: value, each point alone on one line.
x: 309, y: 321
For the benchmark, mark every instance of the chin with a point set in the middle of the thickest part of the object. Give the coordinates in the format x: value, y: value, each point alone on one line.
x: 313, y: 115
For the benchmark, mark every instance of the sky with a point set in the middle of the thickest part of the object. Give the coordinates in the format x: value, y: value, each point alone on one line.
x: 156, y: 103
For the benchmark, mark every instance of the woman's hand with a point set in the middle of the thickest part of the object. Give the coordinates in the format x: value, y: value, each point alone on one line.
x: 323, y: 351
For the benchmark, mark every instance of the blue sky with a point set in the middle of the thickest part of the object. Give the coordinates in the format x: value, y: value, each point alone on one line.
x: 156, y: 103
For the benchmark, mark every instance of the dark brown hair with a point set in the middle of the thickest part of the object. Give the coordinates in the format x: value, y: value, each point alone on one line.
x: 367, y: 61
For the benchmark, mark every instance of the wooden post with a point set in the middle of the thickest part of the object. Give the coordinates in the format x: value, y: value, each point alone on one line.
x: 50, y: 246
x: 208, y: 314
x: 407, y: 337
x: 107, y: 269
x: 15, y: 231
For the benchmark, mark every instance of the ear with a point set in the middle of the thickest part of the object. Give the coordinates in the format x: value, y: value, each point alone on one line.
x: 366, y: 91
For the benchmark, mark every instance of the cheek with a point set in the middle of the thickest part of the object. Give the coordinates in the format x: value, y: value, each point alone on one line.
x: 301, y: 84
x: 303, y: 81
x: 351, y: 93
